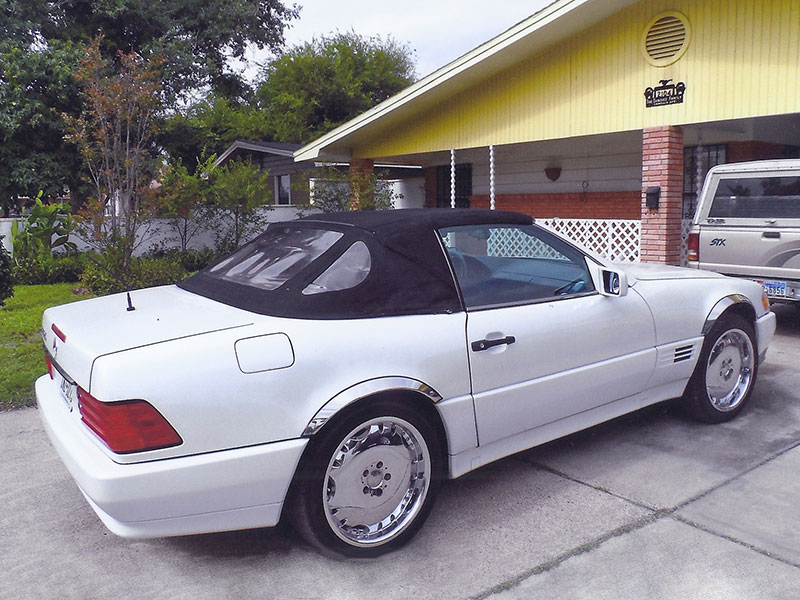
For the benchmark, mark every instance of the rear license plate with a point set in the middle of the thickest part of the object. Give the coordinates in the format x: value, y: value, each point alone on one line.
x: 774, y: 288
x: 69, y: 392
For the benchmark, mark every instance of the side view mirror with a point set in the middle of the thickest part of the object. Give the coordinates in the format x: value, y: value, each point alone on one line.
x: 613, y: 283
x: 608, y: 282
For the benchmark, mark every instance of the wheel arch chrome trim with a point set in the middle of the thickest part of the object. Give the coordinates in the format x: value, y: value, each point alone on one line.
x: 363, y: 390
x: 721, y: 306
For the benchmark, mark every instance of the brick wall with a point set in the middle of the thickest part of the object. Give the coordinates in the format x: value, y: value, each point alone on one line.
x: 430, y: 187
x: 755, y: 150
x: 589, y: 205
x: 359, y: 169
x: 662, y: 166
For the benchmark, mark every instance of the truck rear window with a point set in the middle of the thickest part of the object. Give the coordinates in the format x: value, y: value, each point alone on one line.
x: 757, y: 198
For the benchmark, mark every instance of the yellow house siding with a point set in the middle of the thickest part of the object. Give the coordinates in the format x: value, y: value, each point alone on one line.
x: 742, y: 61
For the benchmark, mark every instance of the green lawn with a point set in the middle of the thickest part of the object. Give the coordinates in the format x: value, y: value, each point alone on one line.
x: 21, y: 354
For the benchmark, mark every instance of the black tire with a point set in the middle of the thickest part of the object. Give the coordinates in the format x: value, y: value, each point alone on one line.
x: 726, y: 371
x: 367, y: 480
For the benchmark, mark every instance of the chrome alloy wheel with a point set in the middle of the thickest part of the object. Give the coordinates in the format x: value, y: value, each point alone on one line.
x: 376, y: 481
x: 729, y: 371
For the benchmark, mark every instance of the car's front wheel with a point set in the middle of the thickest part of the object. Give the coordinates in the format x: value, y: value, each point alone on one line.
x: 367, y: 481
x: 726, y: 371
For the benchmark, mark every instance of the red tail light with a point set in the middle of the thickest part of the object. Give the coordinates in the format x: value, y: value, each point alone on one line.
x: 49, y: 365
x: 58, y: 332
x: 694, y: 247
x: 128, y: 426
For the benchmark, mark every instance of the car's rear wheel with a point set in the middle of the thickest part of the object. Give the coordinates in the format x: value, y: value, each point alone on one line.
x: 726, y: 371
x: 367, y: 481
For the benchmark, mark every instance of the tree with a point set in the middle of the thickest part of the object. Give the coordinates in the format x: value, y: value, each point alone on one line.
x: 195, y: 37
x: 237, y: 198
x: 182, y: 196
x: 336, y: 190
x: 231, y: 200
x: 39, y: 48
x: 36, y: 88
x: 317, y: 86
x: 209, y: 127
x: 115, y: 133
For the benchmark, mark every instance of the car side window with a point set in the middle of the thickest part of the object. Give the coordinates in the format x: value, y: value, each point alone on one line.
x: 506, y: 264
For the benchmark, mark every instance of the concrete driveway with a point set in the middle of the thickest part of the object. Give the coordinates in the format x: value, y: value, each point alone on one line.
x: 649, y: 506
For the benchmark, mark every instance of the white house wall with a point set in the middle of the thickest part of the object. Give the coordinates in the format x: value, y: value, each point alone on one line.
x: 613, y: 164
x: 412, y: 191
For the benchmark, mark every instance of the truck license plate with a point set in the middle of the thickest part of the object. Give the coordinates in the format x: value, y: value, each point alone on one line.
x: 774, y: 288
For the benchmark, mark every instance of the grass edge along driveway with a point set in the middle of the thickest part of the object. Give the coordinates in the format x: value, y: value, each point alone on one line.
x: 21, y: 354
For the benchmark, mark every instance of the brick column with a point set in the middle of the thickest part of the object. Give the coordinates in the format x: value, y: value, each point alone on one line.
x: 662, y: 166
x: 361, y: 190
x: 430, y: 187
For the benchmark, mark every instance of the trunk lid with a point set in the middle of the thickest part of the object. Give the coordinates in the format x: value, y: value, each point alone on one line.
x: 100, y: 326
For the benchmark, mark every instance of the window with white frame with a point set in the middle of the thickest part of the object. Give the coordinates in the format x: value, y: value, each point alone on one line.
x: 283, y: 190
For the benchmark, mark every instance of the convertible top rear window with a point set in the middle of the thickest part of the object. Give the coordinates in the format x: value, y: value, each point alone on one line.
x: 269, y: 263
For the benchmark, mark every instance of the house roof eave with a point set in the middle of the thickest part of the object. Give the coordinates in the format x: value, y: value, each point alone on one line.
x: 553, y: 23
x: 263, y: 148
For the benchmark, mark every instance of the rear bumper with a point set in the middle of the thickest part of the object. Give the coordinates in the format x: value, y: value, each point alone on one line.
x: 765, y: 329
x: 217, y: 491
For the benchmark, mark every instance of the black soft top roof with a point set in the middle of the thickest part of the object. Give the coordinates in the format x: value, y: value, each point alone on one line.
x: 410, y: 219
x: 409, y: 272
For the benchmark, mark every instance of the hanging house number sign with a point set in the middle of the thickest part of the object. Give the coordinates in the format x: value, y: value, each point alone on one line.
x: 664, y: 94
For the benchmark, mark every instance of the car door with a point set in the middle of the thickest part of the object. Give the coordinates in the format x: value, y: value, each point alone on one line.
x: 543, y: 344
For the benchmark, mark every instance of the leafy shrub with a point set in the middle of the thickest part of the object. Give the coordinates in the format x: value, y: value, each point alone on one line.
x: 48, y: 227
x: 194, y: 260
x: 158, y: 271
x: 43, y: 268
x: 141, y: 273
x: 6, y: 284
x: 190, y: 260
x: 337, y: 190
x: 100, y: 281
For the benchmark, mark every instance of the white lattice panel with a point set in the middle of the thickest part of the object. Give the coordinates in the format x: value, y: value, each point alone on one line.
x: 616, y: 240
x: 686, y: 225
x: 512, y: 243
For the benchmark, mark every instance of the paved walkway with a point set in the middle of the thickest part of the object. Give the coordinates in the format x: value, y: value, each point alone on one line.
x: 650, y: 506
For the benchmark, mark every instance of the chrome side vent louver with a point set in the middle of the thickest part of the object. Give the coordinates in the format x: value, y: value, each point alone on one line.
x: 683, y: 353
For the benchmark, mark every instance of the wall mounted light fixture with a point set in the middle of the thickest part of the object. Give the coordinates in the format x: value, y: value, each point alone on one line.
x: 553, y: 173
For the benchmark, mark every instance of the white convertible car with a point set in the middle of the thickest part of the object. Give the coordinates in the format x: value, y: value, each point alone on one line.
x: 340, y: 367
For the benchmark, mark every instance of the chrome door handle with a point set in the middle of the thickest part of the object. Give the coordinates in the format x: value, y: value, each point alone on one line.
x: 481, y: 345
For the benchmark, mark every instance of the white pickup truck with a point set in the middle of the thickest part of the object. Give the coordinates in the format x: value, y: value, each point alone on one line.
x: 747, y: 224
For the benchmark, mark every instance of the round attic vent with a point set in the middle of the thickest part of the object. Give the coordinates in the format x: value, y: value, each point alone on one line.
x: 666, y: 38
